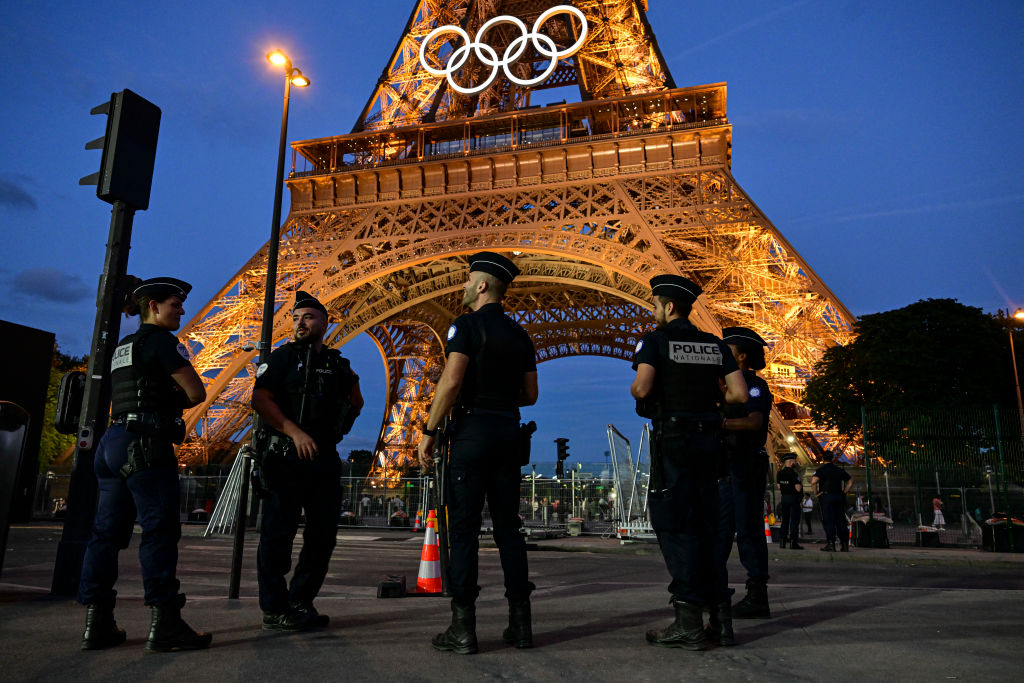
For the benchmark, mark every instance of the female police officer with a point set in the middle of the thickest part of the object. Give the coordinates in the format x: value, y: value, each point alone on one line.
x: 137, y: 470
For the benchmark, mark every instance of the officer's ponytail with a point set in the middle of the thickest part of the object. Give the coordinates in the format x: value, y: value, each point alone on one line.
x: 131, y: 305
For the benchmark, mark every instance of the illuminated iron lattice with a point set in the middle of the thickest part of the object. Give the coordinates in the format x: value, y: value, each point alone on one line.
x: 593, y: 198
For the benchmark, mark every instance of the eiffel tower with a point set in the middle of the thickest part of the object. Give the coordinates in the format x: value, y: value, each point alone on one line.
x: 451, y: 155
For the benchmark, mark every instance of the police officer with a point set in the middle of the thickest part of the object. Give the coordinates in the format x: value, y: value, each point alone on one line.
x: 308, y: 397
x: 742, y: 494
x: 790, y: 489
x: 678, y: 371
x: 830, y: 484
x: 490, y: 372
x: 137, y: 470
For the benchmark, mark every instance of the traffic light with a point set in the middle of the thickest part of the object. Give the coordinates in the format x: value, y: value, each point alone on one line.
x: 563, y: 453
x: 129, y: 150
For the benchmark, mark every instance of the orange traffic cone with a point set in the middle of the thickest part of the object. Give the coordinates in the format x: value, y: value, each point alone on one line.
x: 429, y: 578
x: 418, y: 524
x: 767, y: 531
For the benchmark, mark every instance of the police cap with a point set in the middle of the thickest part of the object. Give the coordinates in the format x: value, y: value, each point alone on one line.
x: 493, y: 264
x: 306, y: 300
x: 742, y: 336
x: 159, y: 288
x: 675, y: 287
x: 789, y: 456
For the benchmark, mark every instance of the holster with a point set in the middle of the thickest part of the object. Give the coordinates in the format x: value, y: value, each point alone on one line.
x: 525, y: 437
x: 143, y: 455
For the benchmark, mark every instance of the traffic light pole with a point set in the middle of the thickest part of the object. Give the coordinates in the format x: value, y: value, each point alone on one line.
x: 82, y: 490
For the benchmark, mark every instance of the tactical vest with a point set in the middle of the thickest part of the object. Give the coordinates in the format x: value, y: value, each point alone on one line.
x: 329, y: 391
x: 140, y: 387
x: 687, y: 384
x: 493, y: 381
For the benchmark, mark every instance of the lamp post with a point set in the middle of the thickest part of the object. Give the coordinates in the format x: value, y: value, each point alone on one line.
x: 292, y: 76
x: 1019, y: 316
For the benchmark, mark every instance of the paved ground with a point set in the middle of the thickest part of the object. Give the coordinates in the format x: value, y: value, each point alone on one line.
x: 905, y: 614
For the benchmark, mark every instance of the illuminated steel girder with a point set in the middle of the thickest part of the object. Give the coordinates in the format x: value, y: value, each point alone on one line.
x: 620, y: 57
x: 592, y: 198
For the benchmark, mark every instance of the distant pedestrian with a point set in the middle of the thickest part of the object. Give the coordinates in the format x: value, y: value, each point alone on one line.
x: 939, y: 521
x: 807, y: 507
x: 790, y: 489
x: 831, y: 484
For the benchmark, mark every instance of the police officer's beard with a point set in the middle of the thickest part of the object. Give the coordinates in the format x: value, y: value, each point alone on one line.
x: 469, y: 298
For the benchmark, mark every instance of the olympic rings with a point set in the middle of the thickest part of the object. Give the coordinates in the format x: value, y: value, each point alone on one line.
x: 487, y: 54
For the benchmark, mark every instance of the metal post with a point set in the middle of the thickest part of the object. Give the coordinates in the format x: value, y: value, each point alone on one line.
x: 266, y: 331
x: 1002, y: 476
x: 1016, y: 383
x: 867, y: 468
x: 533, y: 494
x: 573, y: 484
x: 82, y: 489
x: 239, y: 536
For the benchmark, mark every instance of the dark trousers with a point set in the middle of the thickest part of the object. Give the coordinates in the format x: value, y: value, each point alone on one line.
x: 807, y: 518
x: 299, y: 485
x: 740, y: 504
x: 150, y: 495
x: 684, y: 511
x: 834, y: 518
x: 789, y: 510
x: 484, y: 465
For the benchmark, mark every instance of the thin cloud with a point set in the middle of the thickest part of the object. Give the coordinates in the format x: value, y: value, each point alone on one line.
x: 757, y: 21
x: 912, y: 210
x: 14, y: 195
x: 51, y: 284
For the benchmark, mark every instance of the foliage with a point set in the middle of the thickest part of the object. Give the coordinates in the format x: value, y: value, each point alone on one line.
x: 53, y: 444
x: 933, y: 353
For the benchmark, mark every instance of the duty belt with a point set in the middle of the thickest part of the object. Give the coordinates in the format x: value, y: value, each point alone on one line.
x: 688, y: 423
x: 514, y: 414
x: 148, y: 419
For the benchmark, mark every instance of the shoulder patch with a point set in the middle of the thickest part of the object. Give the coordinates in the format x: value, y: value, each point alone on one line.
x: 639, y: 345
x: 451, y: 332
x: 182, y: 351
x: 261, y: 369
x: 755, y: 392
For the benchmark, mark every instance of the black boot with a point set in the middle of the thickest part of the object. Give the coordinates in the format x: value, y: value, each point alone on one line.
x: 687, y: 631
x: 782, y: 544
x: 101, y: 630
x: 719, y: 628
x: 844, y: 546
x: 795, y: 546
x: 460, y: 637
x: 754, y: 604
x: 313, y: 618
x: 828, y: 547
x: 168, y: 632
x: 520, y: 629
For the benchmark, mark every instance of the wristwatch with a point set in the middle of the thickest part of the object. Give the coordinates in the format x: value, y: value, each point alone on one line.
x: 429, y: 432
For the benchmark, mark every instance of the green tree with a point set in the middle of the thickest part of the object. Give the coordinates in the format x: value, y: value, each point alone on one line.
x: 52, y: 444
x: 933, y: 353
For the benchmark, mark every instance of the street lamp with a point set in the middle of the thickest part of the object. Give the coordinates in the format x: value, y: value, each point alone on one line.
x: 1019, y: 316
x: 292, y: 76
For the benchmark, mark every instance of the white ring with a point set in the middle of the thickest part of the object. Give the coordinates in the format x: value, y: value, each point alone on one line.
x: 489, y: 56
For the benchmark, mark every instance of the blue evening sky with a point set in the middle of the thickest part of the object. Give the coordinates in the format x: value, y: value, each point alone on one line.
x: 881, y: 138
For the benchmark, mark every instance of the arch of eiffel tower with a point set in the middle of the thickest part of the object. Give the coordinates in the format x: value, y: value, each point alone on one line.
x: 592, y: 198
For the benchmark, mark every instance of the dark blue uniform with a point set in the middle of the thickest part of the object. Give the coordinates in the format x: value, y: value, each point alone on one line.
x: 741, y: 493
x: 293, y: 484
x: 138, y: 471
x: 833, y: 503
x: 789, y: 506
x: 484, y: 459
x: 686, y: 452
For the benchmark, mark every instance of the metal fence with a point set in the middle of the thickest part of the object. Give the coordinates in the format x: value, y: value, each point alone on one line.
x: 966, y: 461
